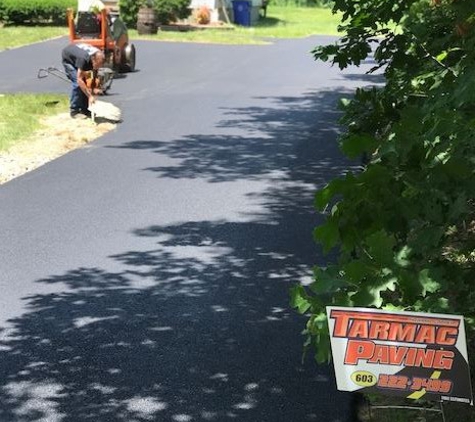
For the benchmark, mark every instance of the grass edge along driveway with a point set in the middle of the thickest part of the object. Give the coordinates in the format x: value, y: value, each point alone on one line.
x: 281, y: 22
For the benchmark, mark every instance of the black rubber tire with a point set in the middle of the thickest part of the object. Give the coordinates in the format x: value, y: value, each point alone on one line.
x: 128, y: 62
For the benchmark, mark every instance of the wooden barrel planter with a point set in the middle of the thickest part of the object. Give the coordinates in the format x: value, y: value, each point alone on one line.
x: 147, y: 21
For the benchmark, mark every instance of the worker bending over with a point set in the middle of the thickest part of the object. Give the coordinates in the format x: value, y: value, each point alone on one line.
x: 78, y: 61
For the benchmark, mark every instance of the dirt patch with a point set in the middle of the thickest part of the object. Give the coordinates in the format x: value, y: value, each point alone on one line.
x: 58, y: 135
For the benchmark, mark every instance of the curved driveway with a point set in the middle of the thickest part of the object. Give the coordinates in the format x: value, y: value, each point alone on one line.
x: 145, y: 277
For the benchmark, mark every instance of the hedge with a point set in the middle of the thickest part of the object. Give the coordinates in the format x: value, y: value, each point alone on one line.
x: 166, y: 10
x: 19, y: 12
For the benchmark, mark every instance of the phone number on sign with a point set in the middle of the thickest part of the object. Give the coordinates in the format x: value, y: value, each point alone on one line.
x: 401, y: 382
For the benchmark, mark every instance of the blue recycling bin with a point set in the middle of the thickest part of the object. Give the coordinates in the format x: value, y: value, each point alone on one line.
x: 242, y: 12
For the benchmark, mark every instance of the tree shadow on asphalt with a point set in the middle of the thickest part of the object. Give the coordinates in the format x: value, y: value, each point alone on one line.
x: 294, y: 140
x: 373, y: 78
x: 195, y: 327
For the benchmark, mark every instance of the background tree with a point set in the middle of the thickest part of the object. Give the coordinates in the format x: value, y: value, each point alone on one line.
x: 403, y: 227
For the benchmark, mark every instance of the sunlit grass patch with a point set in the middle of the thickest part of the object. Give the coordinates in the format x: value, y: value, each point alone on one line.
x: 281, y: 22
x: 15, y: 36
x: 20, y: 114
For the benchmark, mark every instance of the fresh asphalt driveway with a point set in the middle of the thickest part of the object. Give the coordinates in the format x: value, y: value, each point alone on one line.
x: 145, y: 277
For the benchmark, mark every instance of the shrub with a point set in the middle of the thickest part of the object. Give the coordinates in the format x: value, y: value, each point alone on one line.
x: 403, y: 226
x: 129, y: 10
x: 166, y: 10
x: 34, y: 11
x: 171, y: 10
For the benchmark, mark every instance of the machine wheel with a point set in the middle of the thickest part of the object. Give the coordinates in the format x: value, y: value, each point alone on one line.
x: 128, y: 58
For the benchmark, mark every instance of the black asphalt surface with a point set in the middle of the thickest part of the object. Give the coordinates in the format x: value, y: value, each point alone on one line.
x: 145, y: 277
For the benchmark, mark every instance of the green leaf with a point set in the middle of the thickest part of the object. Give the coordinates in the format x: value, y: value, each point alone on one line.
x: 317, y: 326
x: 327, y: 234
x: 323, y: 349
x: 380, y: 247
x: 459, y: 207
x: 335, y: 187
x: 326, y: 281
x: 402, y: 257
x: 392, y: 307
x: 299, y: 299
x: 410, y: 286
x: 441, y: 57
x: 369, y: 294
x: 428, y: 238
x: 458, y: 167
x: 428, y: 284
x: 356, y: 270
x: 355, y: 145
x: 345, y: 103
x: 324, y: 195
x: 442, y: 157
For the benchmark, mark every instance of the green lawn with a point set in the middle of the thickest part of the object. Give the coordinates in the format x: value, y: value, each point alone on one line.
x: 14, y: 36
x: 289, y: 22
x: 281, y: 22
x: 20, y: 114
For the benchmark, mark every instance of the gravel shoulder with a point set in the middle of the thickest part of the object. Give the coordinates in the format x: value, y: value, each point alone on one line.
x: 58, y: 135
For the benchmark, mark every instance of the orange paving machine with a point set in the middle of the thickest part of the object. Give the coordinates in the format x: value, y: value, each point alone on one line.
x: 98, y: 23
